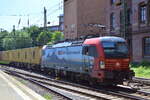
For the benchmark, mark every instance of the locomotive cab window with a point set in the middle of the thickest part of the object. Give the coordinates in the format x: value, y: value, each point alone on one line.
x: 115, y: 49
x: 147, y: 46
x: 90, y: 51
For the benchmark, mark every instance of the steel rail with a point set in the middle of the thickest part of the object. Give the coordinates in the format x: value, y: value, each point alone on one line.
x: 32, y: 81
x: 45, y: 85
x: 141, y: 80
x: 126, y: 95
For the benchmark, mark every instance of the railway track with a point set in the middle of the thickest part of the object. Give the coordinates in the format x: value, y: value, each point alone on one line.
x: 140, y: 84
x: 53, y: 84
x: 84, y: 91
x: 141, y: 80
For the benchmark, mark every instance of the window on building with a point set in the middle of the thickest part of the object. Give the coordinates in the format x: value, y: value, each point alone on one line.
x: 112, y: 2
x: 147, y: 46
x: 128, y: 17
x: 142, y: 13
x: 148, y: 11
x: 65, y: 0
x: 112, y: 21
x: 121, y: 21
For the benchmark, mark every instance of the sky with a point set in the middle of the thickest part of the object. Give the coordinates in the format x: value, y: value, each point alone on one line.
x: 11, y: 11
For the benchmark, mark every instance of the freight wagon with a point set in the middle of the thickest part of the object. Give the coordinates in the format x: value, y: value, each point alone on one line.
x: 27, y: 57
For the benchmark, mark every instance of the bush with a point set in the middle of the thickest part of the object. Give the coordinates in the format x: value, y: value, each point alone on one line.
x: 135, y: 65
x: 142, y: 71
x: 145, y: 63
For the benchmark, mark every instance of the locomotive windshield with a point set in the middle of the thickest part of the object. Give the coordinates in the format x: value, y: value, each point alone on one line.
x: 115, y: 49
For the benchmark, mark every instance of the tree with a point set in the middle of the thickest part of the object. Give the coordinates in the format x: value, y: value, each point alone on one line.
x: 28, y: 37
x: 57, y: 36
x: 8, y: 44
x: 3, y: 34
x: 23, y: 40
x: 16, y: 41
x: 34, y: 31
x: 44, y: 37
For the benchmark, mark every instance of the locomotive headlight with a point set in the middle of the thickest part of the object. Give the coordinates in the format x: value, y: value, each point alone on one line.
x: 102, y: 64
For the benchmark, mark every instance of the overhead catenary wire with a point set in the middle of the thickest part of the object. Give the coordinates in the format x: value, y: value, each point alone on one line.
x: 51, y: 12
x: 17, y: 15
x: 55, y: 8
x: 57, y: 11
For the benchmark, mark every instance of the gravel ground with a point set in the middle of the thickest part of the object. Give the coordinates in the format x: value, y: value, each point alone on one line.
x: 43, y: 92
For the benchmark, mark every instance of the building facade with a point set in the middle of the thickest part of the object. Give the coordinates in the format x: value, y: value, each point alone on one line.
x: 61, y: 22
x: 125, y: 18
x: 53, y: 28
x: 59, y: 27
x: 84, y: 17
x: 141, y: 30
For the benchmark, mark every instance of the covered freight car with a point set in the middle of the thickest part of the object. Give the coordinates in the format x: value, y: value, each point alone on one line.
x: 27, y: 57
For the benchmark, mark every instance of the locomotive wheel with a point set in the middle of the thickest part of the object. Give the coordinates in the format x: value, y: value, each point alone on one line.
x: 77, y: 79
x: 73, y: 78
x: 93, y: 82
x: 57, y: 74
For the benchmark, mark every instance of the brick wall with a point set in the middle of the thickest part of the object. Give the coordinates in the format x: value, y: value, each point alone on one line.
x: 79, y: 13
x: 139, y: 31
x: 70, y: 19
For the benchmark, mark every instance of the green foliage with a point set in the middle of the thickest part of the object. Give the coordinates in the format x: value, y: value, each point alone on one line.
x: 142, y: 71
x: 57, y: 36
x: 47, y: 96
x: 44, y: 37
x: 3, y: 34
x: 145, y: 63
x: 34, y: 31
x: 18, y: 40
x: 28, y: 37
x: 134, y: 65
x: 8, y: 43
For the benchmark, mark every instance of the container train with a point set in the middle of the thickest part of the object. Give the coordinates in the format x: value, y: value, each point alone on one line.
x: 101, y: 60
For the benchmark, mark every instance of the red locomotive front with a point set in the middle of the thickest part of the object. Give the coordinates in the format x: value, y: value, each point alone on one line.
x: 112, y: 62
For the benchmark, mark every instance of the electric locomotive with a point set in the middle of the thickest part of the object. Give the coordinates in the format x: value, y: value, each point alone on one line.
x: 103, y: 60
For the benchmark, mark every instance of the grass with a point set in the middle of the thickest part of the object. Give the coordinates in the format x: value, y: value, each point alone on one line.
x: 47, y: 96
x: 141, y: 70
